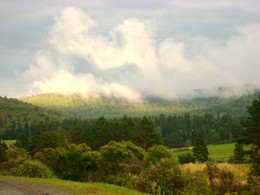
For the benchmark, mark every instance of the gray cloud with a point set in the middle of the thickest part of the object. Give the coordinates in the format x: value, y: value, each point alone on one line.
x: 124, y: 49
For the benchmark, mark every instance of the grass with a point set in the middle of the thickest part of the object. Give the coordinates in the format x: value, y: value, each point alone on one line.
x: 9, y: 142
x: 75, y: 188
x: 240, y: 171
x: 219, y: 153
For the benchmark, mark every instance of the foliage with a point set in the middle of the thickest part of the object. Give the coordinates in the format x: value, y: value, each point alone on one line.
x: 251, y: 136
x: 182, y: 130
x: 186, y: 158
x: 156, y: 153
x: 200, y: 150
x: 222, y: 180
x: 18, y: 118
x: 31, y: 168
x: 94, y: 107
x: 46, y: 139
x: 239, y: 154
x: 165, y: 176
x: 119, y: 157
x: 72, y: 162
x: 196, y: 183
x: 15, y: 157
x: 3, y: 148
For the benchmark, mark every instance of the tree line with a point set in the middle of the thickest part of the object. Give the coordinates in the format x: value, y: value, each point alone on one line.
x: 172, y: 130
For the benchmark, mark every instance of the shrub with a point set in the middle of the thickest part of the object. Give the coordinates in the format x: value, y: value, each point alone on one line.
x: 186, y: 158
x: 196, y: 183
x: 222, y: 180
x: 164, y: 177
x: 119, y: 157
x: 156, y: 153
x: 31, y: 168
x: 15, y: 157
x: 70, y: 163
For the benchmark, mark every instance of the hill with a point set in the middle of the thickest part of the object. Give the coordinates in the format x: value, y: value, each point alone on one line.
x: 19, y: 116
x: 90, y: 107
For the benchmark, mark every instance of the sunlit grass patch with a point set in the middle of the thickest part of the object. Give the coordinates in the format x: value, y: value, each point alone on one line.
x: 9, y: 142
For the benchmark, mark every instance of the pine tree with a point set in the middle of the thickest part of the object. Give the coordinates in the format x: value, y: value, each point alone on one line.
x: 239, y: 153
x: 200, y: 150
x: 251, y: 136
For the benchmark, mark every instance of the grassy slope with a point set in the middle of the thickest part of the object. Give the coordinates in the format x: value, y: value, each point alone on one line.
x: 75, y: 188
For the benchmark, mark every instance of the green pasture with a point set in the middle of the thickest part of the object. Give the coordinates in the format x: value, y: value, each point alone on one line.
x: 221, y: 152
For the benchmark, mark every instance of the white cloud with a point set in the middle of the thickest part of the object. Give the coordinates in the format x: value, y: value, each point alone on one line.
x: 165, y: 67
x: 66, y: 83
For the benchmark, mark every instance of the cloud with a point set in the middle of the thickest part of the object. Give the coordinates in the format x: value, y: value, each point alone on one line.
x: 66, y: 83
x: 167, y: 67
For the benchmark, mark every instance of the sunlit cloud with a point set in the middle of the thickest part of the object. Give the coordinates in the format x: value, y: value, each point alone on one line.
x: 165, y: 67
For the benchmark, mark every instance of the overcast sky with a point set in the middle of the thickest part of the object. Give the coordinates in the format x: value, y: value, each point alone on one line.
x: 124, y: 48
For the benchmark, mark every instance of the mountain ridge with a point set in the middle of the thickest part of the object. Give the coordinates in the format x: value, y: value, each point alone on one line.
x: 76, y: 105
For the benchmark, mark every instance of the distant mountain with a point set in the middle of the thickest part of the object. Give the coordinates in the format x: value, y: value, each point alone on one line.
x: 90, y: 107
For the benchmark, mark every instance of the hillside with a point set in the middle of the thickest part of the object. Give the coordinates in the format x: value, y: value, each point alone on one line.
x: 19, y: 116
x: 79, y: 106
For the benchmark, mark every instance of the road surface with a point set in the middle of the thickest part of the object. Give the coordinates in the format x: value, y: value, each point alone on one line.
x: 15, y: 187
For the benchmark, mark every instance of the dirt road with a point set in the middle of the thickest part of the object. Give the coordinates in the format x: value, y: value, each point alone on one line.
x: 8, y: 187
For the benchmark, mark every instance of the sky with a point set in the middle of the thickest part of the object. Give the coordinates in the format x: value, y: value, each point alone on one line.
x: 126, y: 48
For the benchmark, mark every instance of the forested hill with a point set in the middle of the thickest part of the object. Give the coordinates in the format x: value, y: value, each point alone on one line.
x: 17, y: 115
x: 79, y: 106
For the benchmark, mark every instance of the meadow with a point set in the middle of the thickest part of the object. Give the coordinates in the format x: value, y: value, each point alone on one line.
x: 217, y: 153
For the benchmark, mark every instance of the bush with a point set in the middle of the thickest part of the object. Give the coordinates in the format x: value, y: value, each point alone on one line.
x: 72, y: 162
x: 31, y: 168
x: 120, y: 157
x: 186, y: 158
x: 15, y: 157
x: 222, y: 180
x: 156, y: 153
x: 164, y: 177
x: 196, y: 183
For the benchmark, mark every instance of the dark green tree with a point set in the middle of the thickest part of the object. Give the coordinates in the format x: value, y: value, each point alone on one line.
x: 251, y: 136
x: 3, y: 148
x: 101, y: 133
x: 239, y: 153
x: 147, y: 135
x: 200, y: 150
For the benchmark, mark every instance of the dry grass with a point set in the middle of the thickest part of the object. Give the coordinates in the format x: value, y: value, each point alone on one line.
x: 240, y: 171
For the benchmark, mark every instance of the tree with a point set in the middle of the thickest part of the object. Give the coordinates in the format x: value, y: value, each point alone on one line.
x: 239, y: 153
x: 117, y: 157
x: 200, y: 150
x: 147, y: 134
x: 251, y: 136
x: 3, y: 148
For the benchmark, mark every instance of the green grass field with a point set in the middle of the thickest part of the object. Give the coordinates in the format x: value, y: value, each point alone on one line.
x: 9, y: 142
x: 75, y: 188
x: 221, y: 152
